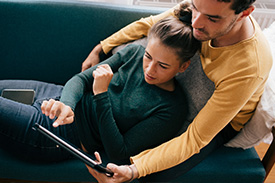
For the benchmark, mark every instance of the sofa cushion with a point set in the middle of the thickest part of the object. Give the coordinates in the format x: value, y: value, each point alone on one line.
x: 225, y: 165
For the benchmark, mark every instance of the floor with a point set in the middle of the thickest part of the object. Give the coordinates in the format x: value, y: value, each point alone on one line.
x: 261, y: 149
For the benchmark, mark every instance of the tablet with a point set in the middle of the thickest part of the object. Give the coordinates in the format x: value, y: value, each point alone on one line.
x: 78, y: 153
x: 25, y: 96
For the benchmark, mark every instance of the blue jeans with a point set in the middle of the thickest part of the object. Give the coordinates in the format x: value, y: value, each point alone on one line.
x: 17, y: 120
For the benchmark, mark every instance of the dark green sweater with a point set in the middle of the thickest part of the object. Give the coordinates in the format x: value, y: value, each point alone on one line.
x: 132, y: 115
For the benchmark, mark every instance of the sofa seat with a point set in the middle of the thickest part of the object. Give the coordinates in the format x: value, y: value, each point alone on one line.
x: 233, y: 165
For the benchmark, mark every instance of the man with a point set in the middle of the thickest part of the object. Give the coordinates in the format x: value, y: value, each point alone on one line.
x: 234, y: 55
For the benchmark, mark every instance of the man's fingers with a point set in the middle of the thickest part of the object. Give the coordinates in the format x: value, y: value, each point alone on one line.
x: 98, y: 158
x: 85, y: 66
x: 92, y: 171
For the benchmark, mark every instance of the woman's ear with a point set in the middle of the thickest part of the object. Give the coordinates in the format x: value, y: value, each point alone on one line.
x: 184, y: 66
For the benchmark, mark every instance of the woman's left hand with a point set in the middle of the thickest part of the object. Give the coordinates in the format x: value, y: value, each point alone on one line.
x: 121, y: 173
x: 53, y: 108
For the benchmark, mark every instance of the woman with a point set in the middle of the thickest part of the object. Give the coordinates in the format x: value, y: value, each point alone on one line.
x: 126, y: 104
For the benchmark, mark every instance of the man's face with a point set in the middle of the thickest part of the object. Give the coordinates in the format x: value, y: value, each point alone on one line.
x: 212, y: 19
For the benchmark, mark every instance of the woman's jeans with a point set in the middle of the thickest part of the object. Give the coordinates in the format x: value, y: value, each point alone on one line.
x: 16, y: 121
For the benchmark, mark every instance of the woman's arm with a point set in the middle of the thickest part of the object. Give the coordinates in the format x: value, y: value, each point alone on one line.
x: 75, y: 88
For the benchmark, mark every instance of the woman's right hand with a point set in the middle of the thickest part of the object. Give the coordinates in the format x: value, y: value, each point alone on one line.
x: 53, y: 108
x: 102, y: 78
x: 93, y: 58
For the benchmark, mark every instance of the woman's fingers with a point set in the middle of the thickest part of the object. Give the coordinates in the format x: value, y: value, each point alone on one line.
x: 46, y: 106
x: 53, y: 109
x: 103, y: 70
x: 66, y: 116
x: 102, y: 78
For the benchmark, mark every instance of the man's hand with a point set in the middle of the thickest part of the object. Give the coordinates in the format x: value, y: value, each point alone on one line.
x: 121, y: 173
x: 102, y: 78
x: 53, y: 108
x: 93, y: 58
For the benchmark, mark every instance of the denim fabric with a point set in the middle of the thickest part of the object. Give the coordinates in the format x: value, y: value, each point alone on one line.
x: 17, y: 120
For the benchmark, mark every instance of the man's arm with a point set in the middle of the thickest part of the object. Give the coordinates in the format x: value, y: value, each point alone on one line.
x: 226, y: 102
x: 93, y: 58
x: 133, y: 31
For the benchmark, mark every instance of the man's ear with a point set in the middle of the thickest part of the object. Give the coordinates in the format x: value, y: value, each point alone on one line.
x: 248, y: 11
x: 184, y: 66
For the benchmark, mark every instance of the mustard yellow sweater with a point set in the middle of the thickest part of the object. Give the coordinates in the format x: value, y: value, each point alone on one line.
x: 239, y: 72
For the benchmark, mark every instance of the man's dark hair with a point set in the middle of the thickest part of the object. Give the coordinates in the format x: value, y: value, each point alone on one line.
x: 239, y: 5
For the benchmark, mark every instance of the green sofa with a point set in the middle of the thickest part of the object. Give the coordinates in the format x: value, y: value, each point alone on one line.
x: 48, y: 41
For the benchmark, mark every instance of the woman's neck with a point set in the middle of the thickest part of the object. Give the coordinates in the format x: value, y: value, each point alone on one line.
x: 168, y: 86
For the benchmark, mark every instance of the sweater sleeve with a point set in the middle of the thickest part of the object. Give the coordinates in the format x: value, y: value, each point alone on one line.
x: 75, y: 88
x: 227, y: 100
x: 139, y: 137
x: 134, y: 31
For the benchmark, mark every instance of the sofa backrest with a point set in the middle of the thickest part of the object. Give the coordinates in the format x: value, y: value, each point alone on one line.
x: 49, y: 40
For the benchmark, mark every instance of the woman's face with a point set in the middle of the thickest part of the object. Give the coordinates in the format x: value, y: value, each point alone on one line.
x: 161, y: 64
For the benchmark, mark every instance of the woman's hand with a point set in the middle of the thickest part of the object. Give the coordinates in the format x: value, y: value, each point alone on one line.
x: 121, y: 173
x: 93, y: 58
x: 53, y: 108
x: 102, y: 78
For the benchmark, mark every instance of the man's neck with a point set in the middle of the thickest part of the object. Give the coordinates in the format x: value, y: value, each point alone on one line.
x: 241, y: 31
